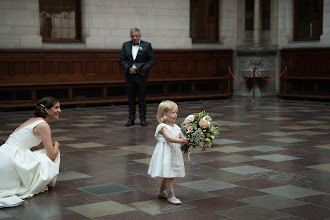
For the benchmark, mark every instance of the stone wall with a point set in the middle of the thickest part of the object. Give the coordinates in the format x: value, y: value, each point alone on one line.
x: 105, y: 24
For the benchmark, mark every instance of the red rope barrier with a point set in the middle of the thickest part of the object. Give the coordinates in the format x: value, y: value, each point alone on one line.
x: 238, y: 80
x: 271, y: 79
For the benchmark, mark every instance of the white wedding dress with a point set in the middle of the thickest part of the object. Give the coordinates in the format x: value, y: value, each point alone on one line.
x: 24, y: 173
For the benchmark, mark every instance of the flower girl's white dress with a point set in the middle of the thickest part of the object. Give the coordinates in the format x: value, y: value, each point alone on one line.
x: 167, y: 160
x: 24, y: 173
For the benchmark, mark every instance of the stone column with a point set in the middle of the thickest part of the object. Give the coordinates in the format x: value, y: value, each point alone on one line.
x: 257, y: 24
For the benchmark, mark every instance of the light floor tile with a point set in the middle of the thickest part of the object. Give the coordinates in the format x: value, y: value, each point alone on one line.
x: 71, y: 175
x: 4, y: 215
x: 37, y: 211
x: 325, y: 127
x: 277, y: 133
x: 85, y: 145
x: 278, y: 118
x: 189, y: 194
x: 118, y: 152
x: 63, y: 138
x: 5, y: 132
x: 230, y: 123
x: 324, y: 167
x: 291, y: 192
x: 146, y: 149
x: 3, y: 138
x: 276, y: 157
x: 273, y: 202
x: 251, y: 213
x: 106, y: 189
x: 236, y: 158
x: 83, y: 125
x: 297, y: 127
x: 207, y: 185
x: 55, y: 130
x: 244, y: 170
x: 144, y: 160
x: 155, y: 207
x: 229, y: 149
x: 324, y: 117
x: 101, y: 209
x: 94, y: 116
x: 265, y: 148
x: 287, y: 140
x: 90, y: 120
x: 309, y: 133
x: 225, y: 141
x: 312, y: 122
x: 324, y: 146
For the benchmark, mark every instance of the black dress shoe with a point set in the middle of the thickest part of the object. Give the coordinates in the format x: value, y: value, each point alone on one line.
x: 143, y: 123
x: 129, y: 123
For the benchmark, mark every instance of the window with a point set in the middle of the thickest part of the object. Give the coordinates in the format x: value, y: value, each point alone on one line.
x: 249, y: 15
x: 60, y: 20
x: 308, y: 19
x: 204, y: 21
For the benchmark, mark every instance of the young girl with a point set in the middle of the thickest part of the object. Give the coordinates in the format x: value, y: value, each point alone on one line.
x: 167, y: 159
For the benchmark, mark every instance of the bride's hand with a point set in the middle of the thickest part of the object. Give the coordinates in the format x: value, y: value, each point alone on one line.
x: 35, y: 148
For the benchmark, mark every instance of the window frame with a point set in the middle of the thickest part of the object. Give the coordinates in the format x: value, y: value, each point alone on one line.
x: 78, y: 29
x: 216, y: 25
x: 296, y: 15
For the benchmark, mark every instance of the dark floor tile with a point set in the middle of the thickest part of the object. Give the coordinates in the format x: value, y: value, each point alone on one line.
x: 85, y: 182
x: 77, y: 199
x: 257, y: 183
x: 311, y: 212
x: 322, y: 200
x: 192, y: 214
x: 67, y: 217
x: 130, y: 197
x: 138, y: 215
x: 220, y: 164
x: 216, y: 203
x: 252, y: 213
x: 238, y: 193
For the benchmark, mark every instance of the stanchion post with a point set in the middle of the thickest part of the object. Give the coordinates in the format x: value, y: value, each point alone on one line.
x: 254, y: 83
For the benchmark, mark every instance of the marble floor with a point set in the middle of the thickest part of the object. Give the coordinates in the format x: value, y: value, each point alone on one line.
x: 271, y: 161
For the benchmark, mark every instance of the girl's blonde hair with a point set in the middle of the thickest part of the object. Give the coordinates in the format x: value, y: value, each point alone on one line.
x: 164, y: 107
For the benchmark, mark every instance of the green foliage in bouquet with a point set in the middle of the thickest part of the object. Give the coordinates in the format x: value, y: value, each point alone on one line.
x: 200, y: 131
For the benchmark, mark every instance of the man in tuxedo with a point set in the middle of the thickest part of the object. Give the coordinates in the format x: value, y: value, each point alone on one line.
x: 136, y: 58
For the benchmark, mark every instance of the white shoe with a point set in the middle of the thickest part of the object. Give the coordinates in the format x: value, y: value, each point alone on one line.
x: 162, y: 195
x: 174, y: 201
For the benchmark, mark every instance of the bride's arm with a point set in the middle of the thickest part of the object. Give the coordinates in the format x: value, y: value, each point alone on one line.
x: 43, y: 130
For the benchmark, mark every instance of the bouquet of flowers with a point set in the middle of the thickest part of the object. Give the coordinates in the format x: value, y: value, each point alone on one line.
x: 200, y: 131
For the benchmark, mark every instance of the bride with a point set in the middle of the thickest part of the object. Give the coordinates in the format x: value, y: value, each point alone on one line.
x: 26, y: 170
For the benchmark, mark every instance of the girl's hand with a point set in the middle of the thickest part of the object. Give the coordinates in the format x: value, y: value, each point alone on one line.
x: 186, y: 141
x: 35, y: 148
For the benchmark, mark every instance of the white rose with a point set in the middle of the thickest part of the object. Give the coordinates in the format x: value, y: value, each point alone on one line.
x: 189, y: 118
x: 207, y: 118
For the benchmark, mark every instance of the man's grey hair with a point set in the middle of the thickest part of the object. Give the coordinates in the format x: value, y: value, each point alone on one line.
x: 135, y: 30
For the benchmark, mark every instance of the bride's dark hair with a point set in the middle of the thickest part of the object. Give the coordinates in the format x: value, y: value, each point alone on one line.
x: 46, y: 102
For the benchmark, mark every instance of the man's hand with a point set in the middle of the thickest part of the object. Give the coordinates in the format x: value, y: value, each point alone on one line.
x: 132, y: 70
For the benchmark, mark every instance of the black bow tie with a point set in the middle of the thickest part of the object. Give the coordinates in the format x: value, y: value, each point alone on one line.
x: 135, y: 44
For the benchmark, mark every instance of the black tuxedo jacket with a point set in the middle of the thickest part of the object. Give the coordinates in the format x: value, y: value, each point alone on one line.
x: 144, y: 60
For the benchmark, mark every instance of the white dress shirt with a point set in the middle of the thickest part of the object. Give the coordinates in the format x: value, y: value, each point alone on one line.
x: 135, y: 50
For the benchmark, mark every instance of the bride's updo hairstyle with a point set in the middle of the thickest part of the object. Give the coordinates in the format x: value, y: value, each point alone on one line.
x: 164, y: 107
x: 46, y: 102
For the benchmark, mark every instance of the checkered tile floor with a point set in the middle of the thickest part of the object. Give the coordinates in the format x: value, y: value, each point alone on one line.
x: 271, y: 161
